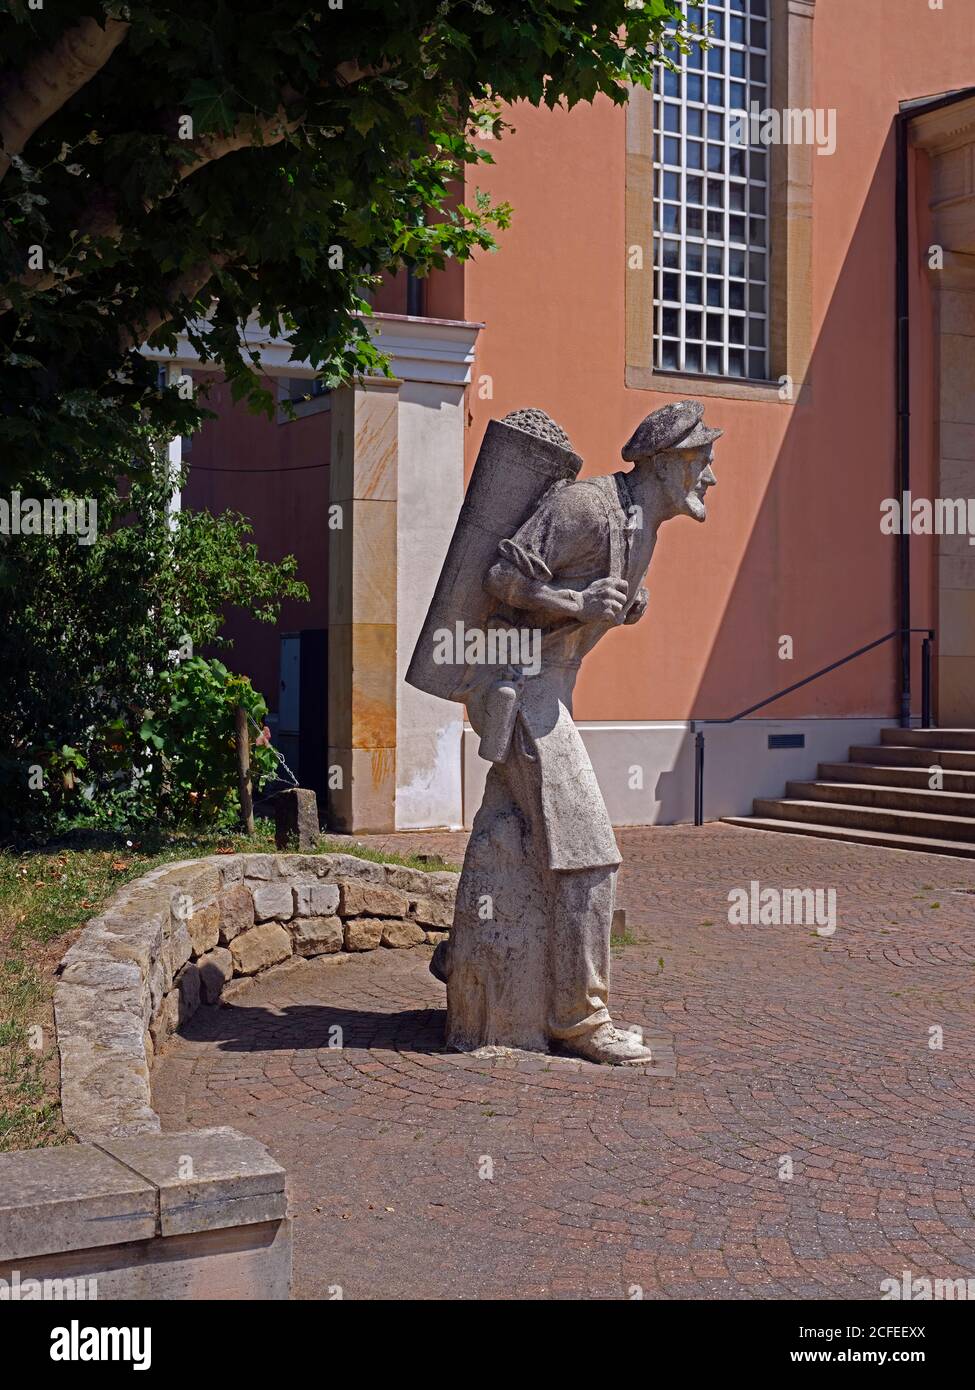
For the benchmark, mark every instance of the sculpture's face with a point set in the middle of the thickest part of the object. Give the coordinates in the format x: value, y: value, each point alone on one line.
x: 686, y: 476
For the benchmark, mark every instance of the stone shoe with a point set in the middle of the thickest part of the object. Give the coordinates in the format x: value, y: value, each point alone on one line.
x: 439, y: 963
x: 610, y: 1045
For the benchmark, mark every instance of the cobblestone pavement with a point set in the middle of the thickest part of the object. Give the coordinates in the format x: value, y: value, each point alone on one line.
x: 791, y: 1048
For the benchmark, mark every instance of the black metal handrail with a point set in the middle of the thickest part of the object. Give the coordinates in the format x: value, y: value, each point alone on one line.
x: 797, y: 685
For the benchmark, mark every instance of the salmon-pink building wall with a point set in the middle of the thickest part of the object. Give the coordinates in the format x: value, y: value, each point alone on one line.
x: 792, y: 545
x: 276, y: 474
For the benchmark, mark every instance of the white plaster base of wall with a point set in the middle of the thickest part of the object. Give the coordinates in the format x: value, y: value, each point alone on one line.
x: 646, y: 770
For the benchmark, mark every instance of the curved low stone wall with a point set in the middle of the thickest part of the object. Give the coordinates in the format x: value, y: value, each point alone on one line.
x: 174, y: 938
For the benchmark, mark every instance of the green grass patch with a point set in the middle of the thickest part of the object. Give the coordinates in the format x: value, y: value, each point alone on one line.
x: 428, y: 863
x: 617, y: 942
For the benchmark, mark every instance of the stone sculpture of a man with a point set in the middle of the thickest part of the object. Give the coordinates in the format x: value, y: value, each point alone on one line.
x: 527, y: 962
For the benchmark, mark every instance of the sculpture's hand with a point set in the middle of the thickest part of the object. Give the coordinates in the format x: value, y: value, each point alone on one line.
x: 603, y: 600
x: 637, y: 608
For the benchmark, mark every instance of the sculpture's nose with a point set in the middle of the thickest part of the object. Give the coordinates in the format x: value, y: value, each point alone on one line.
x: 708, y: 477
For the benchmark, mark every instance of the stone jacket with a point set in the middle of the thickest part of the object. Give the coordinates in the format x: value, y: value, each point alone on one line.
x: 580, y: 532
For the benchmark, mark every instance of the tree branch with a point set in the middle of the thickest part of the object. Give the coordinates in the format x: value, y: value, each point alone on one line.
x: 185, y: 286
x: 30, y: 98
x: 269, y: 130
x: 101, y: 219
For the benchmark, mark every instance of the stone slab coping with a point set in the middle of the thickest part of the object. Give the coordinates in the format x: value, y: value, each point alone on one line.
x: 116, y: 1190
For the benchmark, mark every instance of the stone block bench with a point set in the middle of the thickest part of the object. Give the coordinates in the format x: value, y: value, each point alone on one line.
x: 158, y: 1215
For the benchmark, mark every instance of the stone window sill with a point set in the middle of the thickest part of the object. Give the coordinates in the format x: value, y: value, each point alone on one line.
x: 692, y: 384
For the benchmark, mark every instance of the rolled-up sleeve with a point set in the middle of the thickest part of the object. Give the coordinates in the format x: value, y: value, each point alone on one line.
x: 563, y: 537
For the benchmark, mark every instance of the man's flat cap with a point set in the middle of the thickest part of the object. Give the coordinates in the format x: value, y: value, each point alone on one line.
x: 675, y: 426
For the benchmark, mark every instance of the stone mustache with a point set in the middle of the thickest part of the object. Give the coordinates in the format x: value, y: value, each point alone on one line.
x: 536, y: 551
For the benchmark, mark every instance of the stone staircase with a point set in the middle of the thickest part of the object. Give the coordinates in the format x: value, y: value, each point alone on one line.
x: 883, y: 796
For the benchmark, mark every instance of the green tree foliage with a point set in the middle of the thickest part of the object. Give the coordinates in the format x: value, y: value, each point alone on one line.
x: 110, y: 715
x: 210, y: 162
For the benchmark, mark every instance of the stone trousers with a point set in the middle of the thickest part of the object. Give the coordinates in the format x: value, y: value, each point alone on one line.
x: 580, y: 913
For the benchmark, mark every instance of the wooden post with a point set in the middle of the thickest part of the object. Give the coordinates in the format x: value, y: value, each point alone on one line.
x: 244, y: 769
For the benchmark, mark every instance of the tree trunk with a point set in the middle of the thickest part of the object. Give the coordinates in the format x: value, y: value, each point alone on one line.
x: 244, y: 770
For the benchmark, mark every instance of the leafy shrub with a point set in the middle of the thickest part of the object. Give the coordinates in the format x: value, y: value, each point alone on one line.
x: 98, y: 640
x: 191, y: 770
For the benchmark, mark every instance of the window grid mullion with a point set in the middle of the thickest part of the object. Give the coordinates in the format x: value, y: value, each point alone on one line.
x: 677, y: 346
